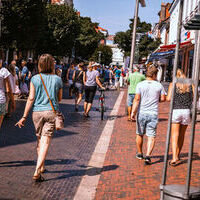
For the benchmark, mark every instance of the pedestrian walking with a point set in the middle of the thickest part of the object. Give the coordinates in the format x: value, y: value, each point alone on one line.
x: 133, y: 80
x: 117, y: 73
x: 92, y: 80
x: 25, y: 80
x: 70, y: 78
x: 5, y: 86
x: 183, y: 98
x: 148, y: 94
x: 13, y: 83
x: 43, y: 115
x: 79, y: 81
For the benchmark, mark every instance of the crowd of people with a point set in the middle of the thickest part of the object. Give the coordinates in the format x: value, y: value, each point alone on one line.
x: 43, y: 88
x: 41, y: 84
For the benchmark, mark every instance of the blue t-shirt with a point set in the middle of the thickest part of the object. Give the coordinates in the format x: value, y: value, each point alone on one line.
x: 107, y: 74
x: 25, y: 72
x: 53, y: 84
x: 117, y: 73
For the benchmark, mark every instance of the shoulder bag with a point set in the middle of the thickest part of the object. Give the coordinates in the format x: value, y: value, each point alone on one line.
x: 59, y: 119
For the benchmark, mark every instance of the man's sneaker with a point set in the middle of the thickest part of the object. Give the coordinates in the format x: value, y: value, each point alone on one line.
x: 147, y: 160
x: 139, y: 156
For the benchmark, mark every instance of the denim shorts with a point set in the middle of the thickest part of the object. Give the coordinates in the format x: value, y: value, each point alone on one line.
x: 130, y: 99
x: 147, y: 124
x: 70, y: 83
x: 79, y: 86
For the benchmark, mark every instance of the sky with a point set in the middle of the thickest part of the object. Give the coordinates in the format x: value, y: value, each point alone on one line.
x: 114, y: 15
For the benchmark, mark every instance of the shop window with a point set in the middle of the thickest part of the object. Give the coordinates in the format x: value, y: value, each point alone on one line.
x: 190, y: 63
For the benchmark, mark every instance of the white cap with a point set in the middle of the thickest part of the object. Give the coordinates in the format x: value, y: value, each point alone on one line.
x: 95, y: 64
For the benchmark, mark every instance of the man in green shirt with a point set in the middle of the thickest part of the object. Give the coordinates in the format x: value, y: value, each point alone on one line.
x: 133, y: 80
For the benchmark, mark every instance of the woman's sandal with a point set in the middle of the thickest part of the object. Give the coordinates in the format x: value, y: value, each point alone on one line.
x: 38, y: 178
x: 175, y: 163
x: 44, y: 170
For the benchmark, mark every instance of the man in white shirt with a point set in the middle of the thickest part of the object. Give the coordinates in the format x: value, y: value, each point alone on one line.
x: 148, y: 95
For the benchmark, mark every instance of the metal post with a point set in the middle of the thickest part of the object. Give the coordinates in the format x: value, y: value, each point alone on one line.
x: 134, y: 34
x: 172, y: 97
x: 197, y: 63
x: 195, y: 49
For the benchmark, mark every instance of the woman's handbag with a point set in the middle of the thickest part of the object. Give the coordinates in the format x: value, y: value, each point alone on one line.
x: 59, y: 120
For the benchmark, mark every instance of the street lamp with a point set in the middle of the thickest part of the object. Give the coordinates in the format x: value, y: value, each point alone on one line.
x: 143, y: 4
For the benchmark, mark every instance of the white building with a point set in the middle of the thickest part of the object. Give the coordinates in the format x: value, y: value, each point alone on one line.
x: 60, y: 2
x: 187, y: 36
x: 118, y: 55
x: 190, y: 6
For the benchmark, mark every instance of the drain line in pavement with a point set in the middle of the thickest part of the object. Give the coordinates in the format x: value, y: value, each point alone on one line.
x: 89, y: 183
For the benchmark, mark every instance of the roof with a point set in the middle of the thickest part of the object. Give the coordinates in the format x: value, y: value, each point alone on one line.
x: 111, y: 37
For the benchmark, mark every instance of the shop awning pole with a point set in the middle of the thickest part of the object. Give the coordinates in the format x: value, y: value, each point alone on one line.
x: 192, y: 135
x: 172, y: 97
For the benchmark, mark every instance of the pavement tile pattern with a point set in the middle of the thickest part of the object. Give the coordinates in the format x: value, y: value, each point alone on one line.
x: 133, y: 180
x: 68, y: 157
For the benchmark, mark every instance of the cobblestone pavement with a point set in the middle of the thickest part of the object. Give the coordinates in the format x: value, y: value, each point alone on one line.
x: 66, y: 162
x: 132, y: 180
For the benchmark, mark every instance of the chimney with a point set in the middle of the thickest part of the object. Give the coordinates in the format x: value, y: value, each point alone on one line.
x: 163, y: 12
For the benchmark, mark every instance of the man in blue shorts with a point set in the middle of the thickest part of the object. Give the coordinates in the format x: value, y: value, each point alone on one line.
x: 148, y: 95
x: 133, y: 80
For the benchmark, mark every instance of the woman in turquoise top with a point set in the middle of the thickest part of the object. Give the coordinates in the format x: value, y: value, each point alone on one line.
x: 43, y: 115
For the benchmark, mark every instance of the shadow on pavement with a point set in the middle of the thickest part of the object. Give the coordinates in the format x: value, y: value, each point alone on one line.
x: 92, y: 171
x: 33, y: 163
x: 11, y: 135
x: 183, y: 155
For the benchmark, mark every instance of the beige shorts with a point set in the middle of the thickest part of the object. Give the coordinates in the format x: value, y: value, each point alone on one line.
x: 44, y: 122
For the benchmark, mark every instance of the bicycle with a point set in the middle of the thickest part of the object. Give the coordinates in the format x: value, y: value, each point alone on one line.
x: 102, y: 108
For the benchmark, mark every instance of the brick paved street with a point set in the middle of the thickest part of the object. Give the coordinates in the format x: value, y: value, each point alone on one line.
x: 122, y: 176
x: 67, y: 160
x: 134, y: 180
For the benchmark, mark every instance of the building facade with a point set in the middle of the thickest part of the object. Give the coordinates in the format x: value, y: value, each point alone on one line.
x: 118, y: 55
x: 187, y: 36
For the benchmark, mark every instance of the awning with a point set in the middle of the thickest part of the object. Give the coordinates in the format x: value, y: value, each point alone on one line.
x: 173, y: 46
x: 161, y: 55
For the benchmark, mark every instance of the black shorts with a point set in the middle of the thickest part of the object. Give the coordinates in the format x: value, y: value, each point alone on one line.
x: 90, y: 93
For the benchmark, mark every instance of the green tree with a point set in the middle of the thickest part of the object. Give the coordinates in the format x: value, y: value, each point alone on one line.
x: 146, y: 44
x: 88, y: 39
x: 62, y: 29
x: 103, y: 54
x: 22, y: 23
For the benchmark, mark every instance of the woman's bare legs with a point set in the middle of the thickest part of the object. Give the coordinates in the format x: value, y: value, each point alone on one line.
x: 175, y: 136
x: 181, y: 138
x: 80, y: 96
x: 42, y: 149
x: 78, y: 100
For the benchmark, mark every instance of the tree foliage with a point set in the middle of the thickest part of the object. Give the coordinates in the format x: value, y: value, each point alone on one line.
x: 88, y: 38
x: 63, y: 29
x: 22, y: 23
x: 146, y: 44
x: 103, y: 54
x: 43, y: 27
